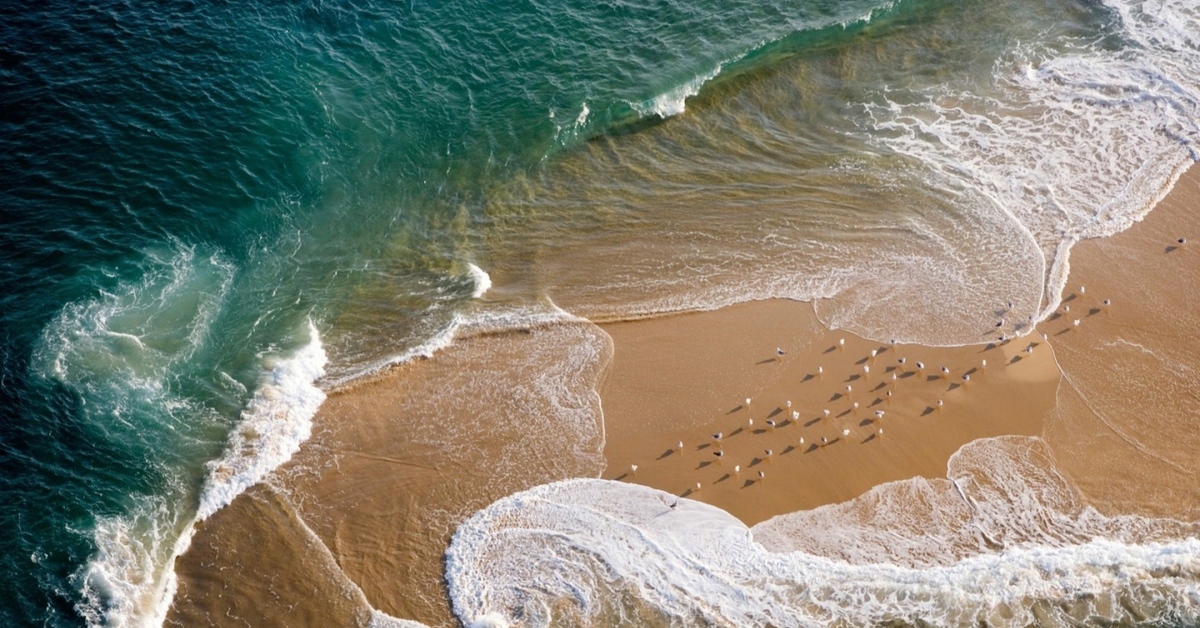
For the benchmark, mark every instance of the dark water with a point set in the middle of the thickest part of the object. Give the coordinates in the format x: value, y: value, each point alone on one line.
x: 187, y: 186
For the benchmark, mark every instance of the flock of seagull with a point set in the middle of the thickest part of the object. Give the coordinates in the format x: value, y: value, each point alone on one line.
x: 889, y: 374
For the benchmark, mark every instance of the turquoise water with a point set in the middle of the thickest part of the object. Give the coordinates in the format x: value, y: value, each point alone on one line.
x: 208, y: 206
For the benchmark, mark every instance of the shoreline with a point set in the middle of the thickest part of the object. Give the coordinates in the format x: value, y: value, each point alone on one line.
x: 380, y: 496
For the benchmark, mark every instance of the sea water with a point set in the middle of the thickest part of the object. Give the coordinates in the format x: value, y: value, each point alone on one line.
x: 214, y: 213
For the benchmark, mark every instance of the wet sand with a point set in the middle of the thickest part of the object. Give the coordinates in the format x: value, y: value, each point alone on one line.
x: 699, y: 369
x: 395, y: 464
x: 1124, y: 427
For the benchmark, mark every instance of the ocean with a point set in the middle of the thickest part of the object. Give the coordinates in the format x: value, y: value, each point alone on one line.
x: 215, y: 214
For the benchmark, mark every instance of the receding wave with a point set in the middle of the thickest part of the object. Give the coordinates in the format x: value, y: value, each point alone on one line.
x: 593, y: 552
x: 909, y: 196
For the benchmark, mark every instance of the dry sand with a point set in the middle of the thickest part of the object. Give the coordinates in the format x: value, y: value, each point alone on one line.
x: 363, y: 513
x: 686, y: 378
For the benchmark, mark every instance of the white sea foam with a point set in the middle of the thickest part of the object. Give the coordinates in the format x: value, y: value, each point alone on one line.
x: 500, y: 318
x: 130, y: 581
x: 1076, y: 144
x: 674, y: 101
x: 123, y: 352
x: 274, y: 424
x: 592, y: 552
x: 483, y: 282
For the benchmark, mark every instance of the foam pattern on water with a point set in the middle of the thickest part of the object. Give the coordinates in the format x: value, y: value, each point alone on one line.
x: 582, y: 552
x: 125, y: 352
x: 999, y: 493
x: 274, y: 424
x: 1073, y: 143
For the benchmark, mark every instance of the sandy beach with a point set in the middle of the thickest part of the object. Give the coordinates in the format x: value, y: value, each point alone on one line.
x: 359, y: 519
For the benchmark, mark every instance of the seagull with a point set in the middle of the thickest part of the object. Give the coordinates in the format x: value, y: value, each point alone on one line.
x: 749, y: 422
x: 761, y: 475
x: 679, y: 445
x: 866, y: 369
x: 795, y: 414
x: 845, y: 433
x: 747, y: 401
x: 718, y: 453
x: 779, y: 350
x: 820, y: 371
x: 801, y: 440
x: 940, y: 403
x: 879, y: 414
x: 966, y: 379
x: 1107, y: 302
x: 920, y: 366
x: 1075, y: 322
x: 788, y: 403
x: 1066, y: 308
x: 983, y: 364
x: 633, y: 468
x: 718, y: 436
x: 902, y: 361
x: 770, y: 424
x: 842, y: 343
x: 1082, y: 290
x: 825, y: 412
x: 737, y: 468
x: 945, y: 371
x: 874, y: 352
x: 769, y: 453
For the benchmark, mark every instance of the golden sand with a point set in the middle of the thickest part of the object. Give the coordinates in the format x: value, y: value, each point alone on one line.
x: 687, y: 378
x: 1124, y: 427
x: 363, y: 513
